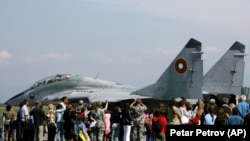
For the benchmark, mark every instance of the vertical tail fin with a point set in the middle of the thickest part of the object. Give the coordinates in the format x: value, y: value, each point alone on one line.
x: 183, y: 77
x: 226, y: 76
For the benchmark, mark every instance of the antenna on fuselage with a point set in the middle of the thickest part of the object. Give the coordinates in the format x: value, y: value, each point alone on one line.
x: 97, y: 75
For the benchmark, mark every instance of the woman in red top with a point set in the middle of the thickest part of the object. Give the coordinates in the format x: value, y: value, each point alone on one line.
x: 159, y: 135
x: 198, y: 113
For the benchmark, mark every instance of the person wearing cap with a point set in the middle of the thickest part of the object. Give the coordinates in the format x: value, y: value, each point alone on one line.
x: 208, y: 104
x: 209, y: 118
x: 39, y: 118
x: 225, y: 106
x: 80, y: 102
x: 212, y: 100
x: 80, y: 106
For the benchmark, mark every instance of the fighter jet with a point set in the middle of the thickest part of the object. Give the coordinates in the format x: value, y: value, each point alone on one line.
x: 225, y: 77
x: 183, y: 78
x: 53, y: 88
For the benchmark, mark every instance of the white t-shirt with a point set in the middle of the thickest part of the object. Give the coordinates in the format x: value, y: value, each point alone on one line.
x: 63, y: 105
x: 24, y: 112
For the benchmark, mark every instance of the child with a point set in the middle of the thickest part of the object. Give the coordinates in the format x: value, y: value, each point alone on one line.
x: 80, y: 126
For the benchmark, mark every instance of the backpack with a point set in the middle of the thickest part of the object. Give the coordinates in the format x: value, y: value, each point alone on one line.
x: 157, y: 126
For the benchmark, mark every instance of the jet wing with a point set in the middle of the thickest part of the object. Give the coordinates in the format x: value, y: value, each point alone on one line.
x: 112, y: 95
x: 73, y: 95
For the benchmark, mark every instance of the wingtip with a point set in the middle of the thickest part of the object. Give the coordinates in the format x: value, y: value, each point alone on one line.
x: 238, y: 46
x: 193, y: 43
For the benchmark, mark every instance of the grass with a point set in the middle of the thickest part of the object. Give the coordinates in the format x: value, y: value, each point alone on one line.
x: 2, y: 109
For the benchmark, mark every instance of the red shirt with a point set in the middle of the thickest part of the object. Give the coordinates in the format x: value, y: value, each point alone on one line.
x: 163, y: 121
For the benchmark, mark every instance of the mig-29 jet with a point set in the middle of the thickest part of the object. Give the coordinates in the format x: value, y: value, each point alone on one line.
x: 183, y: 78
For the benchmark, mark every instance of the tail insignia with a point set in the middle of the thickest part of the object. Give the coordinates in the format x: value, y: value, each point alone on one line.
x: 181, y: 66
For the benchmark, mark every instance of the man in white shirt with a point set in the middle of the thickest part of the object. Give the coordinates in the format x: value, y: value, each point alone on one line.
x: 24, y: 114
x: 64, y: 102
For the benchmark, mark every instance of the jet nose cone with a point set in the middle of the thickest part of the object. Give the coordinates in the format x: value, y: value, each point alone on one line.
x: 15, y: 100
x: 10, y: 102
x: 6, y: 103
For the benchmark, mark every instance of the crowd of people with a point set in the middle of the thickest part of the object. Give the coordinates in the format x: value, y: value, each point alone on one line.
x: 133, y: 121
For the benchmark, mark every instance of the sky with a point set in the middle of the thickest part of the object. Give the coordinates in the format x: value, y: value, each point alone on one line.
x: 127, y: 41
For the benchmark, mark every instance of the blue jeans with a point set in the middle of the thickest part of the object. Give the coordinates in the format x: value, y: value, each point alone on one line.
x: 149, y: 136
x: 115, y: 136
x: 60, y: 131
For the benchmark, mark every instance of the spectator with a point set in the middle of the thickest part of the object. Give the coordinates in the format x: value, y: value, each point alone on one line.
x: 116, y: 123
x: 246, y: 120
x: 159, y: 136
x: 8, y: 116
x: 69, y: 117
x: 210, y: 117
x: 79, y: 126
x: 107, y: 124
x: 39, y: 118
x: 25, y: 121
x: 222, y: 117
x: 243, y: 106
x: 97, y: 114
x: 198, y: 113
x: 235, y: 118
x: 51, y: 122
x: 138, y: 109
x: 60, y: 108
x: 126, y: 122
x: 173, y: 113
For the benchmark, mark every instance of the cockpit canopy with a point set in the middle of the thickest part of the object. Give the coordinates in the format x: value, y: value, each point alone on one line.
x: 51, y: 79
